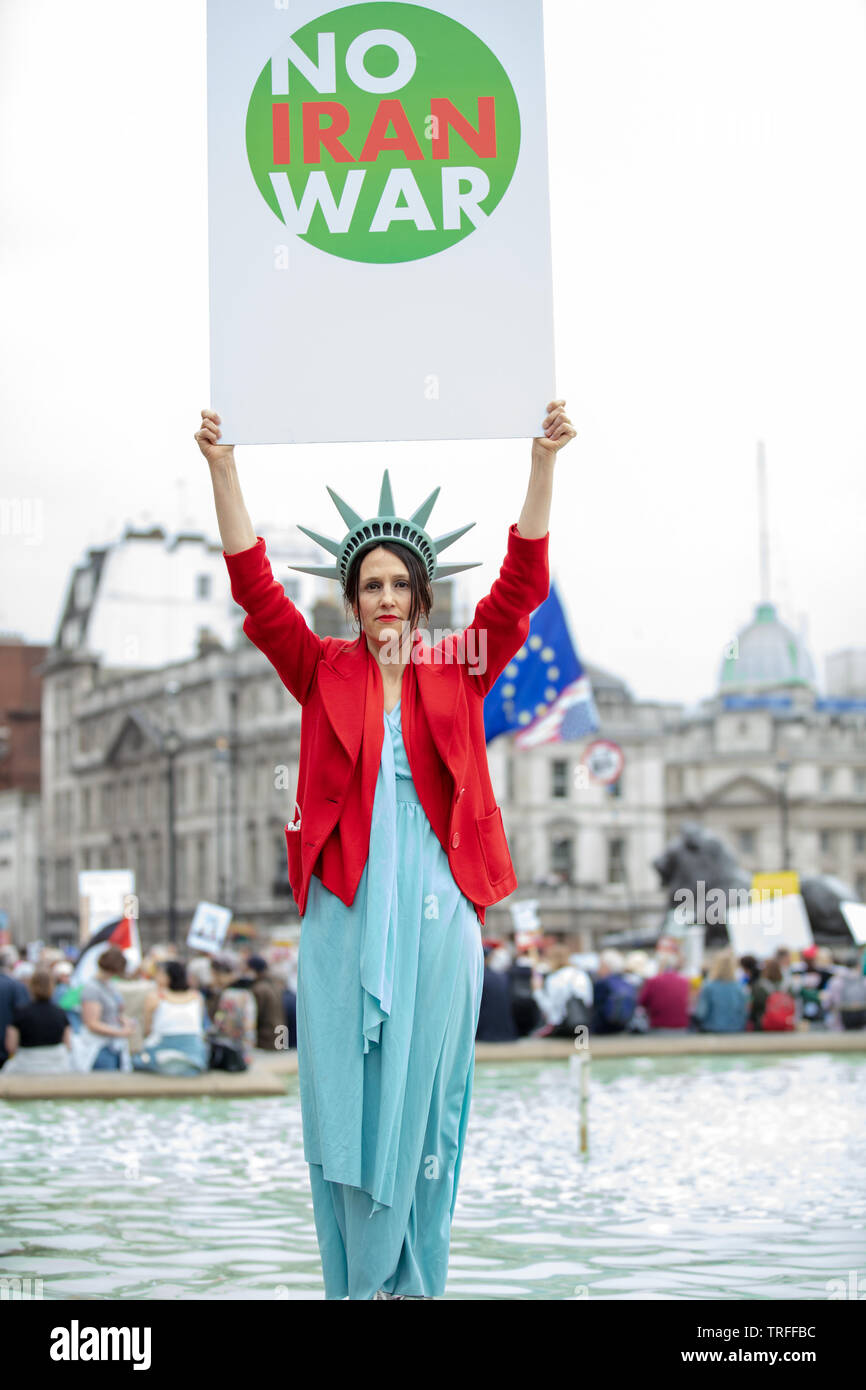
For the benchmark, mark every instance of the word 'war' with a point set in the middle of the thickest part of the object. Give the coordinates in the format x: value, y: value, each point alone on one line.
x: 400, y: 183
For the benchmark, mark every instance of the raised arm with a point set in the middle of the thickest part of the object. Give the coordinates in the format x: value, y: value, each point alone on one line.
x: 236, y: 529
x: 558, y: 430
x: 273, y: 623
x: 500, y: 624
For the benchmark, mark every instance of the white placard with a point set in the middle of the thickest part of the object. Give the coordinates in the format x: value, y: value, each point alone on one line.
x: 693, y: 950
x: 102, y: 898
x: 378, y: 220
x: 207, y: 931
x: 855, y: 916
x: 760, y: 928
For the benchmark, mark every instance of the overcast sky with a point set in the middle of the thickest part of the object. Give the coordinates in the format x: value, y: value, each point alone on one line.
x: 708, y: 225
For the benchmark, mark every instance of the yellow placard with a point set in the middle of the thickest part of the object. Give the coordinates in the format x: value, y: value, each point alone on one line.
x: 786, y: 881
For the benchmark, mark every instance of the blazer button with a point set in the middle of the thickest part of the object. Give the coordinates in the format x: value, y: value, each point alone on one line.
x: 455, y: 839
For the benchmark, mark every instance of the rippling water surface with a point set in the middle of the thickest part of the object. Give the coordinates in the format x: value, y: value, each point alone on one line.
x: 736, y: 1178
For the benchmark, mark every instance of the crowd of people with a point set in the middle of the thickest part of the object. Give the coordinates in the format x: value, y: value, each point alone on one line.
x: 184, y: 1017
x: 534, y: 994
x: 170, y: 1016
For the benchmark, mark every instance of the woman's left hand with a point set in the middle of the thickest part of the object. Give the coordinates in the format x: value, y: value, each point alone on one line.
x: 558, y: 430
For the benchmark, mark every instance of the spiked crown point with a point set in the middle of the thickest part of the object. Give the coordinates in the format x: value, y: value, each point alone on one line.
x: 364, y: 535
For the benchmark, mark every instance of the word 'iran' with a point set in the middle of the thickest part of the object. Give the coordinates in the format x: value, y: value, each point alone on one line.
x: 390, y: 114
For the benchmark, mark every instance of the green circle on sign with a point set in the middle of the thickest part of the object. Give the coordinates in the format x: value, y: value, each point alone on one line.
x: 392, y: 174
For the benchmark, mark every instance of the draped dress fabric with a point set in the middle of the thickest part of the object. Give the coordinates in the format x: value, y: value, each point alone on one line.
x: 389, y: 992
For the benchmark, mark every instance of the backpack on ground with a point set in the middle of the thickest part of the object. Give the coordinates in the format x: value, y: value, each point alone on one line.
x: 852, y: 1002
x: 619, y: 1002
x: 780, y: 1014
x: 226, y: 1056
x: 577, y: 1015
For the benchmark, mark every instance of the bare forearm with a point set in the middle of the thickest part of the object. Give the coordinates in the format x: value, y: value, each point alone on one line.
x: 534, y: 520
x: 236, y: 529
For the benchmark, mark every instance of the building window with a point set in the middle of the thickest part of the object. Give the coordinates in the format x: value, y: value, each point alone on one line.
x: 826, y: 780
x: 859, y: 782
x: 180, y: 860
x: 562, y: 858
x: 73, y: 632
x: 860, y: 841
x: 203, y: 586
x: 202, y: 867
x: 83, y: 588
x: 826, y: 841
x: 746, y: 841
x: 252, y: 859
x: 616, y: 861
x: 559, y: 778
x: 860, y: 885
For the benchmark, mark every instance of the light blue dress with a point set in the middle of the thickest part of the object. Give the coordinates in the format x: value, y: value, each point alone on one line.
x: 389, y: 992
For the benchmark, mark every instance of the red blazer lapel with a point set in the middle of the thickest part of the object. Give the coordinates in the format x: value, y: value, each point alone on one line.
x: 444, y: 701
x: 343, y: 680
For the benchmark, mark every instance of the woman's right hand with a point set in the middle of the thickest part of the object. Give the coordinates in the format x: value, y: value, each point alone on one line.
x: 207, y: 438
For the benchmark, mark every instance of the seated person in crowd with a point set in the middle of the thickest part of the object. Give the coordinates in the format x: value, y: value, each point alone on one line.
x: 665, y: 996
x: 174, y: 1017
x: 39, y: 1038
x: 723, y: 1001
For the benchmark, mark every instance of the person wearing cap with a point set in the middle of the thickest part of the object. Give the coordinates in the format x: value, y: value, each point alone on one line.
x: 807, y: 981
x: 395, y: 849
x: 268, y: 993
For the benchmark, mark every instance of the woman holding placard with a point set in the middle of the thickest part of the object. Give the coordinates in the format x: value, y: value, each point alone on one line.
x: 395, y: 848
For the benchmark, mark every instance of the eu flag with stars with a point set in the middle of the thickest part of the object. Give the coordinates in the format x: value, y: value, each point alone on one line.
x: 543, y: 693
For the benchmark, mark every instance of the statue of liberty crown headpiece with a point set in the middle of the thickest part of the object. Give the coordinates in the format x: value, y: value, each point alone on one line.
x: 385, y: 526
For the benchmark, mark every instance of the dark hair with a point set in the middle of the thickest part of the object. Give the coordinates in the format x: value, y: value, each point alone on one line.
x: 176, y: 972
x: 419, y: 581
x: 257, y: 963
x: 772, y: 971
x: 40, y: 982
x: 225, y: 965
x: 112, y: 961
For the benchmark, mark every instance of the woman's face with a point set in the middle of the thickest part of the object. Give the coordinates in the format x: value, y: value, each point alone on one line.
x: 384, y: 588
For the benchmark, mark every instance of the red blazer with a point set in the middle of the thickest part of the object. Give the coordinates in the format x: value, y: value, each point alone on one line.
x: 339, y: 685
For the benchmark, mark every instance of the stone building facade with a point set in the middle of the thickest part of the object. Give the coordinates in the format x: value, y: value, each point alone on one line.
x: 775, y: 768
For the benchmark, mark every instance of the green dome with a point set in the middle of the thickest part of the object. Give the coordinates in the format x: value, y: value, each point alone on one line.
x: 768, y: 654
